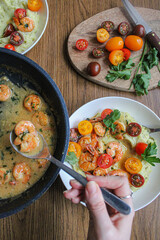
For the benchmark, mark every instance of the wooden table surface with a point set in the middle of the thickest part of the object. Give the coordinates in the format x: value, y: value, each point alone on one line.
x: 52, y: 217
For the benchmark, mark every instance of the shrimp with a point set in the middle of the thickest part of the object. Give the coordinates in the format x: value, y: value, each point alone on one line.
x: 24, y: 24
x: 88, y: 143
x: 87, y: 162
x: 5, y: 175
x: 40, y: 119
x: 24, y: 127
x: 100, y: 171
x: 99, y: 129
x: 32, y: 102
x: 5, y: 93
x: 114, y: 149
x: 29, y: 143
x: 22, y: 172
x: 119, y: 130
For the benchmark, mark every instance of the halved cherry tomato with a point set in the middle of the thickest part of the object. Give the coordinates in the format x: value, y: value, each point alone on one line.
x: 74, y: 147
x: 133, y: 42
x: 116, y: 57
x: 74, y: 135
x: 16, y: 38
x: 133, y: 165
x: 108, y: 25
x: 123, y: 28
x: 106, y: 112
x: 81, y: 44
x: 102, y: 35
x: 133, y: 129
x: 34, y: 5
x: 140, y: 148
x: 85, y: 127
x: 137, y: 180
x: 98, y: 52
x: 127, y: 54
x: 115, y: 43
x: 10, y: 46
x: 20, y: 13
x: 8, y: 30
x: 105, y: 161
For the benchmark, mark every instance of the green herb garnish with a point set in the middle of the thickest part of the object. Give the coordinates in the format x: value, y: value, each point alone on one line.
x: 111, y: 118
x: 149, y: 154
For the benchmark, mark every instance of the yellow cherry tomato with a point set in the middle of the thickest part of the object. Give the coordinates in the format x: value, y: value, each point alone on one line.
x: 116, y: 57
x: 133, y: 165
x: 34, y: 5
x: 134, y: 42
x: 74, y: 147
x: 85, y: 127
x: 115, y: 43
x: 102, y: 35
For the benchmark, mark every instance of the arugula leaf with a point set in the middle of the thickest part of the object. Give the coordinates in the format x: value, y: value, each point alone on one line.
x: 159, y: 84
x: 151, y: 58
x: 71, y: 158
x: 149, y: 153
x: 141, y: 83
x: 110, y: 119
x: 113, y: 75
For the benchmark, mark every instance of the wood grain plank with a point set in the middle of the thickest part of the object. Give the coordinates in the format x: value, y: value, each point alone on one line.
x: 52, y: 217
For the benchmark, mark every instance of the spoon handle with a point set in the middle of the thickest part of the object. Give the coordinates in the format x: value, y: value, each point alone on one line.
x: 109, y: 197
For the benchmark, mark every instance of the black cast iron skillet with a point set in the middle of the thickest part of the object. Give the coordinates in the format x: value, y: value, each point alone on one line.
x: 22, y: 70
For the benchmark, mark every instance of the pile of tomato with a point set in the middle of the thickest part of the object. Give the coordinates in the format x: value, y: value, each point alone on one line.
x: 119, y: 47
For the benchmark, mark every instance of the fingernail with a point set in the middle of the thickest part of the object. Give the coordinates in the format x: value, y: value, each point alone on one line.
x: 76, y: 182
x: 65, y: 191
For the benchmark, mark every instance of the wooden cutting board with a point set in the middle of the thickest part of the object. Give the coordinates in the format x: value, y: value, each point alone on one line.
x: 87, y: 30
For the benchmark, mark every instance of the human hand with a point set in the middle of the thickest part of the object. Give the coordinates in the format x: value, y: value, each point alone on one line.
x: 105, y: 222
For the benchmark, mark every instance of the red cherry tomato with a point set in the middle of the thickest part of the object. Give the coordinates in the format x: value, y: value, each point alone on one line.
x: 127, y: 54
x: 137, y: 180
x: 10, y: 47
x: 16, y: 38
x: 106, y: 112
x: 104, y: 161
x: 81, y: 44
x: 133, y: 129
x: 140, y: 148
x: 20, y: 13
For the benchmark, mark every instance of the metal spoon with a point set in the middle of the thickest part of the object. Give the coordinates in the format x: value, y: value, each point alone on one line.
x: 152, y: 130
x: 44, y: 153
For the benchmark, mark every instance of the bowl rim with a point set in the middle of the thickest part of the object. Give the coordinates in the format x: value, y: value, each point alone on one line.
x: 66, y: 120
x: 46, y: 22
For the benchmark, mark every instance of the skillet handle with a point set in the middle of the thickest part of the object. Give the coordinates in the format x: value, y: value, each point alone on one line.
x: 109, y: 197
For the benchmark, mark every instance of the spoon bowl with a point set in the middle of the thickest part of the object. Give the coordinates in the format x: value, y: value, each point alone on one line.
x: 44, y: 153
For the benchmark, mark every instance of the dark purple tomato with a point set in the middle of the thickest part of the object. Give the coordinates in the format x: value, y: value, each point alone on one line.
x: 16, y: 38
x: 108, y: 25
x: 8, y: 30
x: 139, y: 30
x: 93, y: 68
x: 98, y: 52
x: 123, y: 28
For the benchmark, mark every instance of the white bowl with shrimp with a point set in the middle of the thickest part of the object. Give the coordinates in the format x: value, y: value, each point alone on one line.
x: 143, y: 115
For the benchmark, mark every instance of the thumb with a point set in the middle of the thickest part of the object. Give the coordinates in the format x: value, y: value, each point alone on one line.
x: 96, y: 205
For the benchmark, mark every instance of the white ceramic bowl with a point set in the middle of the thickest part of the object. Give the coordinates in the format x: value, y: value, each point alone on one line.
x: 44, y: 15
x: 142, y: 115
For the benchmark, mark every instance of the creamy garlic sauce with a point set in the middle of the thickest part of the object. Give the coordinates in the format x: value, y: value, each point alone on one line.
x: 11, y: 112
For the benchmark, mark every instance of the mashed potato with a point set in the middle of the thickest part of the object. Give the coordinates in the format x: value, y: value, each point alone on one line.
x: 7, y: 8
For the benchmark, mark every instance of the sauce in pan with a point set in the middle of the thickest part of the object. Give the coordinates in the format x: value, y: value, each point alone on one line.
x: 18, y: 173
